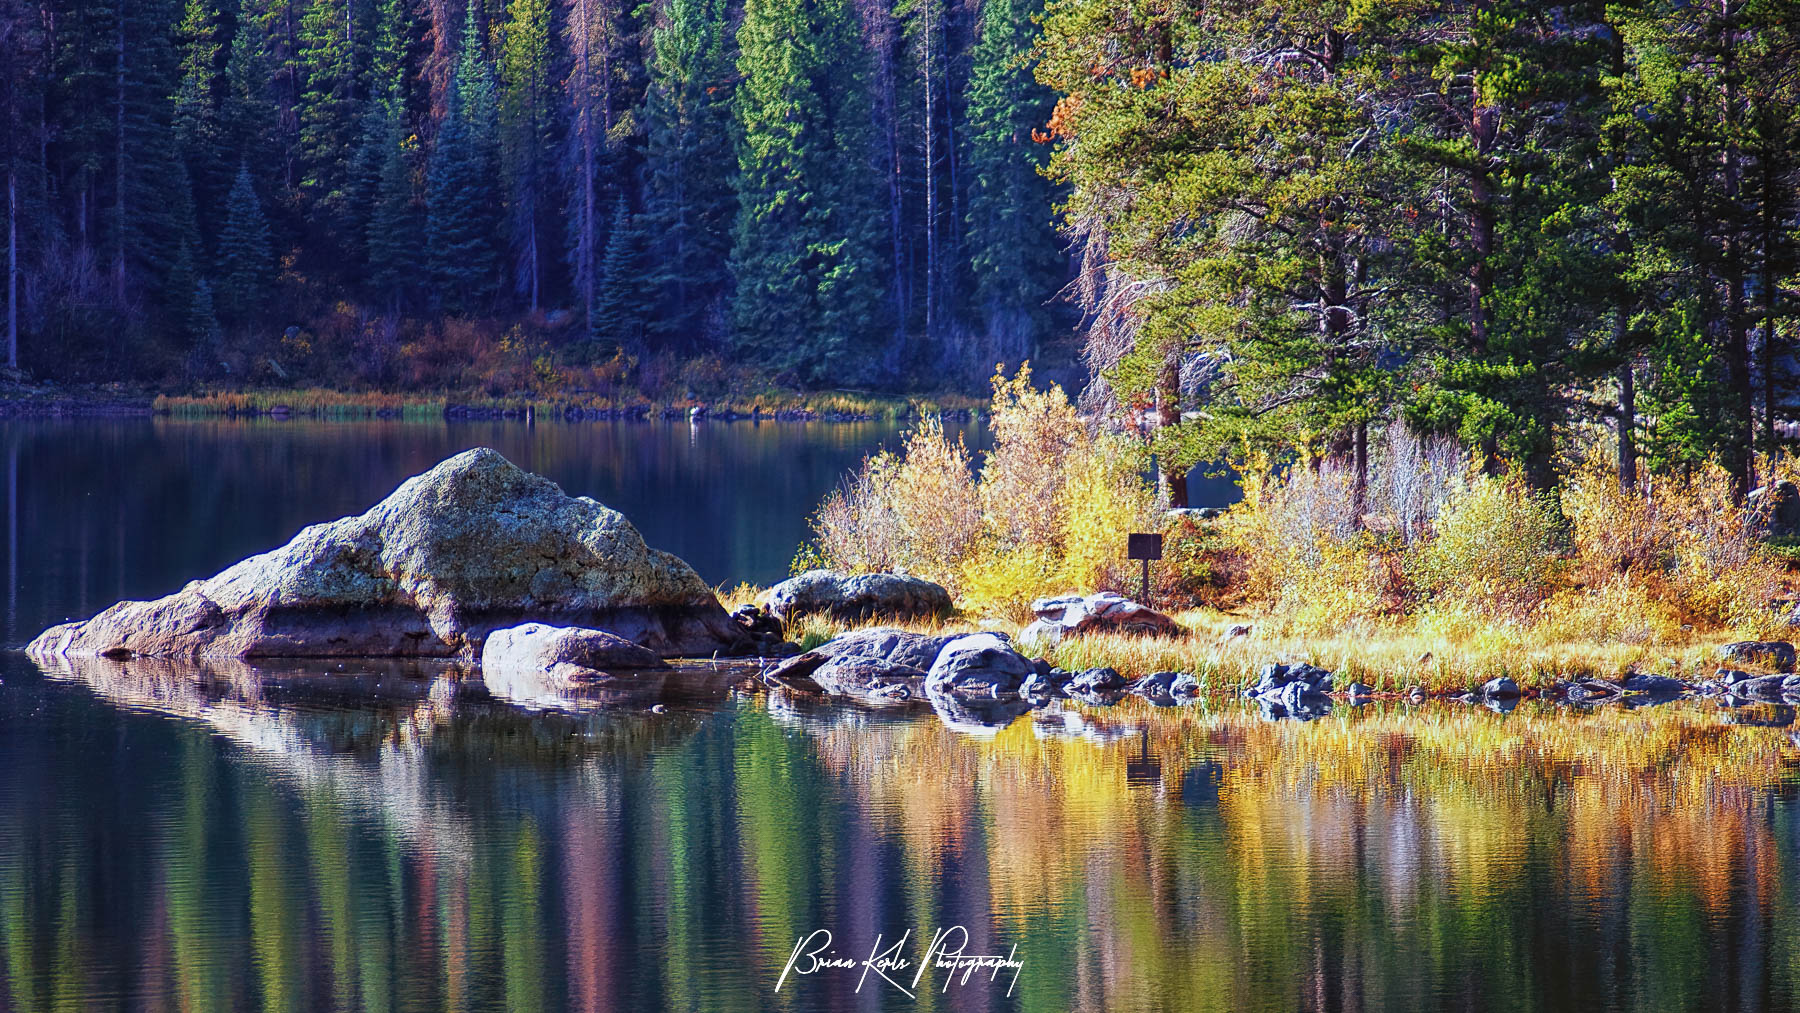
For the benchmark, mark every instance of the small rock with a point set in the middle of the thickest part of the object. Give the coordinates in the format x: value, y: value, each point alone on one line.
x: 1097, y: 680
x: 1500, y: 688
x: 980, y: 663
x: 1638, y: 682
x: 1239, y: 630
x: 1074, y: 615
x: 1358, y: 689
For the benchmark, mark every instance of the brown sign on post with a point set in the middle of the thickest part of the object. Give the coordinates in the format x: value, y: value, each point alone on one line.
x: 1144, y: 547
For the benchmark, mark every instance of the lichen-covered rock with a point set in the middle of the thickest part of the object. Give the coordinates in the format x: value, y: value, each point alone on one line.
x: 474, y: 545
x: 874, y: 680
x: 1106, y: 612
x: 886, y: 596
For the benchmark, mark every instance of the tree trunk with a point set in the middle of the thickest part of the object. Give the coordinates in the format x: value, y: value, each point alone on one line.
x: 1168, y: 415
x: 1740, y: 453
x: 927, y: 40
x: 12, y: 268
x: 1628, y: 473
x: 1359, y: 485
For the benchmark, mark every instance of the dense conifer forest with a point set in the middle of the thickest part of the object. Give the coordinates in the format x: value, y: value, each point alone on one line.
x: 344, y: 191
x: 1274, y: 224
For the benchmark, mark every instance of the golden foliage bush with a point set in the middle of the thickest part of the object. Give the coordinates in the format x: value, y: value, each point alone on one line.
x: 1496, y: 550
x: 1049, y: 513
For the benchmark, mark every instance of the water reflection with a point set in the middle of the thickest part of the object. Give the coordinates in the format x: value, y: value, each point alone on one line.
x: 391, y: 837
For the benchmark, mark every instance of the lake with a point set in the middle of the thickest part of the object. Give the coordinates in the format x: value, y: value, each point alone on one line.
x: 387, y: 836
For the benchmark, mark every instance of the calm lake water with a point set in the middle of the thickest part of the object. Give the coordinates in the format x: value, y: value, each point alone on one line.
x: 386, y: 836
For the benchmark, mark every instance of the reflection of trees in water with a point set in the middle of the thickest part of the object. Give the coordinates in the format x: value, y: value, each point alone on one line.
x: 435, y: 844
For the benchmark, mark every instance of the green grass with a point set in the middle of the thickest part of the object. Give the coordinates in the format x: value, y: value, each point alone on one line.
x: 335, y: 404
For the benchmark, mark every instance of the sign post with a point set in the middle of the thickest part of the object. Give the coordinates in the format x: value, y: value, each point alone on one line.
x: 1144, y: 547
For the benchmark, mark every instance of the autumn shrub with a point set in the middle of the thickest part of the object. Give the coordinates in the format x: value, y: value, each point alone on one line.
x: 1049, y: 511
x: 1496, y: 550
x: 916, y: 510
x: 1677, y: 539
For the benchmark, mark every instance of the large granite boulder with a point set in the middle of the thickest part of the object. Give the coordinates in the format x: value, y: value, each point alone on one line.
x: 892, y: 597
x: 471, y: 546
x: 1106, y: 612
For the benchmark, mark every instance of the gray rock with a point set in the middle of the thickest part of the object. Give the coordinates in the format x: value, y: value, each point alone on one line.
x: 1781, y: 505
x: 1775, y: 655
x: 978, y: 663
x: 1766, y: 687
x: 1662, y: 685
x: 1074, y: 615
x: 1357, y: 690
x: 878, y: 680
x: 884, y: 596
x: 1500, y: 688
x: 1097, y: 680
x: 1166, y: 689
x: 899, y: 647
x: 471, y: 546
x: 1730, y: 676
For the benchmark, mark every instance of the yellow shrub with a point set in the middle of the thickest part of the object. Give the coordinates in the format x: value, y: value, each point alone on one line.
x: 1003, y: 584
x: 1035, y: 435
x: 1104, y: 499
x: 1495, y: 550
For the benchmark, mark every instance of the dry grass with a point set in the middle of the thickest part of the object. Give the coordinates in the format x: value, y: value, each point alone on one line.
x: 1434, y: 654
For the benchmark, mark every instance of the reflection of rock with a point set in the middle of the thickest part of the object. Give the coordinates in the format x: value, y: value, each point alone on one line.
x: 1106, y: 612
x: 877, y: 681
x: 892, y: 597
x: 473, y: 545
x: 975, y: 715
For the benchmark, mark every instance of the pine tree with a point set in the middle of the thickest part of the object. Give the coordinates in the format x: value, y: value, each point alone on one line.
x: 462, y: 200
x: 394, y: 227
x: 246, y: 260
x: 1013, y: 247
x: 691, y: 202
x: 527, y: 118
x: 246, y: 113
x: 198, y: 130
x: 808, y: 246
x: 329, y: 112
x: 618, y: 308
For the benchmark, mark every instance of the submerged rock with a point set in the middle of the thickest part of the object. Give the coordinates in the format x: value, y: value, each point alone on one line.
x: 533, y: 661
x: 474, y: 545
x: 1167, y: 689
x: 885, y: 596
x: 1658, y: 685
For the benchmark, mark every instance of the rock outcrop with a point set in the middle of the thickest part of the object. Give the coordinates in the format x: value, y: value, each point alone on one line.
x: 474, y: 545
x: 1106, y: 612
x: 892, y: 597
